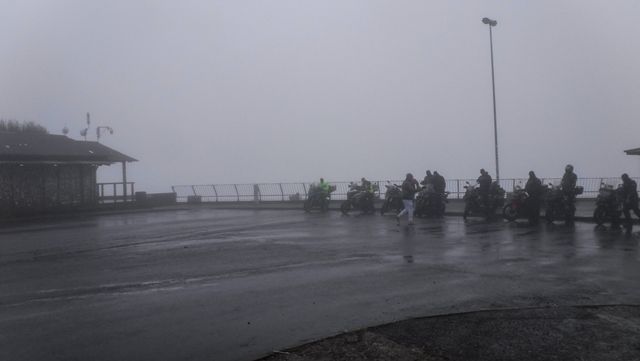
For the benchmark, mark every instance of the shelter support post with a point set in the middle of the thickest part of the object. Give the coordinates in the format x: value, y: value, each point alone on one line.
x: 124, y: 181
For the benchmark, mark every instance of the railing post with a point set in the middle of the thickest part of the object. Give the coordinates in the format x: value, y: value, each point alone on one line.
x: 458, y: 188
x: 132, y: 191
x: 115, y: 199
x: 256, y: 193
x: 281, y: 191
x: 304, y: 187
x: 215, y: 191
x: 237, y: 194
x: 193, y: 189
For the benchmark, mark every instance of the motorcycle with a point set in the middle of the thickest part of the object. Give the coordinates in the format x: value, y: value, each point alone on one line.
x: 520, y: 204
x: 392, y: 199
x: 430, y: 203
x: 318, y: 198
x: 608, y: 204
x: 359, y: 198
x: 475, y: 205
x: 560, y: 205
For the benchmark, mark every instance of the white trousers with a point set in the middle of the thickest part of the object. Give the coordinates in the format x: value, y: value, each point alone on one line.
x: 408, y: 209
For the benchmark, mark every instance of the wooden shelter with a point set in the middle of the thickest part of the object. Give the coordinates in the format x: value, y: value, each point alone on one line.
x: 40, y: 172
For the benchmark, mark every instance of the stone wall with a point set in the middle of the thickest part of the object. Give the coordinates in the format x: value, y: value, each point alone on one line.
x: 34, y: 188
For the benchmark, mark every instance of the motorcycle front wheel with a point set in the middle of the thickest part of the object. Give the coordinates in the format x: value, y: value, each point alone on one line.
x: 600, y: 215
x: 441, y: 210
x: 549, y: 215
x: 344, y: 207
x: 490, y: 212
x: 385, y: 207
x: 307, y: 205
x: 467, y: 211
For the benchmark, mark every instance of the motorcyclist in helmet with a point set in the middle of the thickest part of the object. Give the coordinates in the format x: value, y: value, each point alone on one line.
x: 366, y: 185
x: 324, y: 186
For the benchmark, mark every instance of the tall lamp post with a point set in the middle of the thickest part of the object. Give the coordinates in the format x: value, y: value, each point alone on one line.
x: 491, y: 24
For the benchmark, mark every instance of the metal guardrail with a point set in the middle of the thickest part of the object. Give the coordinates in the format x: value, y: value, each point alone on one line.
x: 113, y: 192
x: 261, y: 192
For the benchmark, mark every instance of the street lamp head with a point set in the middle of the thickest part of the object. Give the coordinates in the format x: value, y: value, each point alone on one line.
x: 489, y: 22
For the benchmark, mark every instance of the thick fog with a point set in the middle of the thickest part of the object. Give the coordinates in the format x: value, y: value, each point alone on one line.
x: 262, y: 91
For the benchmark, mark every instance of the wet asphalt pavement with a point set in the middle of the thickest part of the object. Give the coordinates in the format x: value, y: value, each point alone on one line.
x: 205, y: 284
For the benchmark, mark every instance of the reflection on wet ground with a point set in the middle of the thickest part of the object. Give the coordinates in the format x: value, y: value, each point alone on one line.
x: 235, y: 284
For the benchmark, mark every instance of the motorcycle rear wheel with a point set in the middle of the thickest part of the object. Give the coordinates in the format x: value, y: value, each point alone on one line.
x: 370, y: 208
x: 509, y: 213
x: 418, y: 211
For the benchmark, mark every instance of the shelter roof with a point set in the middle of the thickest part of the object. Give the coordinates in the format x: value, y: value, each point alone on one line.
x: 635, y: 151
x: 39, y: 147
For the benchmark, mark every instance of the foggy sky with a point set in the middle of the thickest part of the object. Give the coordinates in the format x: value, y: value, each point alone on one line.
x: 208, y: 92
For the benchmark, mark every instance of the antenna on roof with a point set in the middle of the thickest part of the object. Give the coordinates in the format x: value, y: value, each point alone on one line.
x: 98, y: 129
x: 84, y: 131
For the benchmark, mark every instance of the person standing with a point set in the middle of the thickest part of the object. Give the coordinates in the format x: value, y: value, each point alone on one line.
x: 630, y: 196
x: 568, y: 186
x: 428, y: 179
x: 410, y: 187
x: 439, y: 186
x: 569, y: 180
x: 534, y: 190
x: 439, y: 183
x: 484, y: 182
